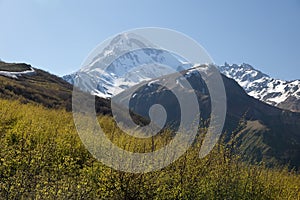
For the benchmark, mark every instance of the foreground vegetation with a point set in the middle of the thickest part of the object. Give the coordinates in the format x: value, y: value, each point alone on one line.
x: 42, y: 157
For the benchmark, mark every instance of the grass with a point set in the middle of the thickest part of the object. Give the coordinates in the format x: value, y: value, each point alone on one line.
x: 42, y: 157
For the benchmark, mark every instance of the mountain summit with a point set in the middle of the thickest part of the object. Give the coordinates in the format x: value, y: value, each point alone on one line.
x: 112, y: 74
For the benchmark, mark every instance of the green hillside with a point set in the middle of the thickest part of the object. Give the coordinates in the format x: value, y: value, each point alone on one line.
x: 42, y: 157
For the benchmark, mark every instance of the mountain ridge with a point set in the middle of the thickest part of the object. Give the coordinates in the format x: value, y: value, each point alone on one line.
x: 107, y: 72
x: 276, y: 92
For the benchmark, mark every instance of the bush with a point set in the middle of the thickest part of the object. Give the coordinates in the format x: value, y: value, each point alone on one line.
x: 42, y: 157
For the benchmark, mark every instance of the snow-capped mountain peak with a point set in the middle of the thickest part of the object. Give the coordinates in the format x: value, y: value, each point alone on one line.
x: 118, y: 45
x: 126, y: 60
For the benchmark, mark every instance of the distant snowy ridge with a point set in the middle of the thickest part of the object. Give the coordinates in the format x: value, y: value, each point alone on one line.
x: 16, y: 74
x: 261, y: 86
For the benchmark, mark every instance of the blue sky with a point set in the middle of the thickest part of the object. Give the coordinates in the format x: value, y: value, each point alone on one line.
x: 57, y: 35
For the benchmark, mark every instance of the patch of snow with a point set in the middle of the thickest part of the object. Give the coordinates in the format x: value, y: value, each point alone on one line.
x: 16, y: 74
x: 151, y: 82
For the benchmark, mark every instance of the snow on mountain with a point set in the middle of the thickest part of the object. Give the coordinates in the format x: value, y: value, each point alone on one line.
x: 261, y: 86
x: 113, y: 75
x: 16, y: 74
